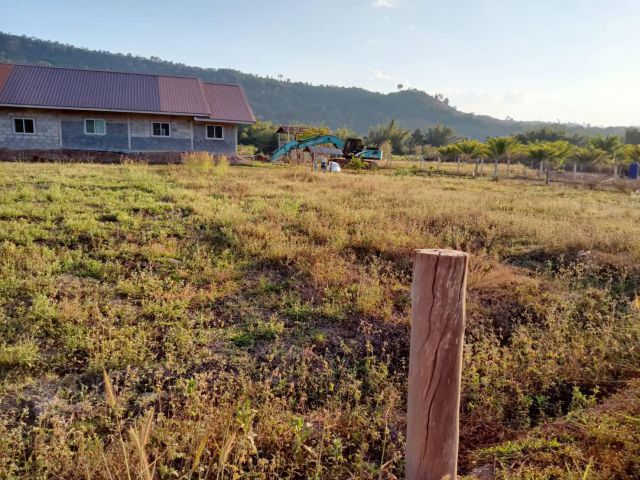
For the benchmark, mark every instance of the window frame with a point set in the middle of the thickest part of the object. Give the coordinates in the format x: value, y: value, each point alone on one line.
x: 206, y: 131
x: 95, y: 120
x: 15, y: 131
x: 160, y: 136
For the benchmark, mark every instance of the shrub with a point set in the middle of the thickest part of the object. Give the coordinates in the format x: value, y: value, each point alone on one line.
x: 200, y: 161
x: 357, y: 164
x: 20, y: 355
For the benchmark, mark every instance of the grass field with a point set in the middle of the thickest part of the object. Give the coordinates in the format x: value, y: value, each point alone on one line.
x: 252, y: 322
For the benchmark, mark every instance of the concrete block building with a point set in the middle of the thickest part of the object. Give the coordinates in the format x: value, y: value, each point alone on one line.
x: 48, y: 108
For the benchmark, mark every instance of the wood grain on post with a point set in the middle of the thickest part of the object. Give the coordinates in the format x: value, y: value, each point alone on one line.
x: 435, y: 364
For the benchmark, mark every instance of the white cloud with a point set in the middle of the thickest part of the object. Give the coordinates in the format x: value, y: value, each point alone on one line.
x: 380, y: 75
x: 380, y: 81
x: 384, y: 3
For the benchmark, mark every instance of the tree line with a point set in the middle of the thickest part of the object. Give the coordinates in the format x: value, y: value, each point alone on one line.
x: 541, y: 147
x: 545, y: 154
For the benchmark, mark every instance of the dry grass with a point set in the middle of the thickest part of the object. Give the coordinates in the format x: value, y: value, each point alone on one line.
x: 253, y: 322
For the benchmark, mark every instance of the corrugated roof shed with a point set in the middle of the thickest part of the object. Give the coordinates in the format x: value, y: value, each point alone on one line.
x: 68, y: 88
x: 323, y: 150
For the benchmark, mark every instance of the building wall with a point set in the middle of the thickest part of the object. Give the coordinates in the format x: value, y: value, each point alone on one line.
x: 125, y: 132
x: 47, y: 130
x: 226, y: 146
x: 73, y: 136
x: 142, y: 140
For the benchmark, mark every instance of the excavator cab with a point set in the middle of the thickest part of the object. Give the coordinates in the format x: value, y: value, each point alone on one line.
x: 352, y: 147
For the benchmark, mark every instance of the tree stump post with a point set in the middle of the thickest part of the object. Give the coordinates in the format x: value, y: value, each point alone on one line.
x: 435, y: 364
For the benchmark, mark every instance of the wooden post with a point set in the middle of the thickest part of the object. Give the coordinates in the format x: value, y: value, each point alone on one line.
x: 435, y: 364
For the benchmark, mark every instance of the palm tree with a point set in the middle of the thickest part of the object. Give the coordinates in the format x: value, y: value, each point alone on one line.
x: 612, y: 145
x: 390, y: 132
x: 449, y: 152
x: 632, y: 153
x: 501, y: 148
x: 586, y: 156
x: 539, y: 151
x: 470, y: 149
x: 561, y: 151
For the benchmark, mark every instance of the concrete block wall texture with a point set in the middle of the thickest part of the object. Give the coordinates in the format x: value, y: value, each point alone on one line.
x: 115, y: 139
x: 143, y: 140
x: 124, y: 132
x: 141, y: 126
x: 226, y: 146
x: 47, y: 134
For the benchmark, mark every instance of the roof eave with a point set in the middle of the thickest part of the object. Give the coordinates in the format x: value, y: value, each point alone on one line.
x: 223, y: 120
x: 89, y: 109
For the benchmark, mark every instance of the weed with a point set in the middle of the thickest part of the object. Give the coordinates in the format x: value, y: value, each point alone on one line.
x: 261, y: 315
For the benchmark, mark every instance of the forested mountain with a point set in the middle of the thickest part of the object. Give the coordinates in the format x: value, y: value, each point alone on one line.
x: 289, y: 102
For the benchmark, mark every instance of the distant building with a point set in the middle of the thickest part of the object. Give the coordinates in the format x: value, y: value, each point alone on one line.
x: 287, y: 133
x: 62, y: 108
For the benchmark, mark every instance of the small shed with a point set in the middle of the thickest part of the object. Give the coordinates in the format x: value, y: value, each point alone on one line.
x: 286, y: 133
x: 323, y: 151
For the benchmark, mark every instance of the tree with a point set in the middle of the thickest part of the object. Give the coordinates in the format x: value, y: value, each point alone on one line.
x: 632, y: 136
x: 539, y: 151
x: 612, y: 145
x: 345, y: 132
x: 561, y: 150
x: 500, y: 149
x: 261, y: 134
x: 391, y: 133
x: 550, y: 155
x: 631, y: 152
x: 586, y: 157
x: 470, y: 150
x: 314, y: 131
x: 416, y: 139
x: 448, y: 152
x: 546, y: 134
x: 439, y: 135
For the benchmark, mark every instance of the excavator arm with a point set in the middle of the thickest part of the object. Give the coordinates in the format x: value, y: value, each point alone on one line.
x: 308, y: 142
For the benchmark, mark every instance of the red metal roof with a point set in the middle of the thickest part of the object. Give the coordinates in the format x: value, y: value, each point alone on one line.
x: 228, y: 102
x: 181, y: 95
x: 49, y: 87
x: 5, y: 71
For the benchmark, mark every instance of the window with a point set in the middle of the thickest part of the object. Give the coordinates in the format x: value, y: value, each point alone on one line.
x: 160, y: 129
x: 215, y: 132
x: 95, y: 127
x: 24, y: 126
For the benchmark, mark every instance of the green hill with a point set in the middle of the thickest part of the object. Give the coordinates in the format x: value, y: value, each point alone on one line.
x: 288, y: 102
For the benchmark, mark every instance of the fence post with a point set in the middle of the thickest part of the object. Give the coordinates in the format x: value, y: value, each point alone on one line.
x: 435, y: 364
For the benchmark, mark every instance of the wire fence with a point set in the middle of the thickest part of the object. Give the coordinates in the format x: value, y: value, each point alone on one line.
x: 535, y: 173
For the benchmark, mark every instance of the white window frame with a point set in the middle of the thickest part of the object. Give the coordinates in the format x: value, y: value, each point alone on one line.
x: 206, y: 131
x: 13, y: 125
x: 161, y: 136
x: 95, y: 120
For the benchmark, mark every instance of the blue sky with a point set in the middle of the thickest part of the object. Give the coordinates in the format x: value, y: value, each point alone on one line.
x: 567, y: 60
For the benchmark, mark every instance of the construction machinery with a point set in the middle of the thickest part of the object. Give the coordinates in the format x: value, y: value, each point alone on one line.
x: 351, y: 148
